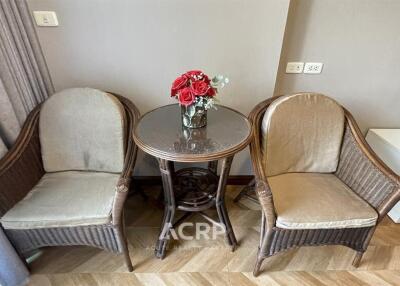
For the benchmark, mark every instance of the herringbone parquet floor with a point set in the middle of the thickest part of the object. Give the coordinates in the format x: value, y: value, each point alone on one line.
x: 210, y: 262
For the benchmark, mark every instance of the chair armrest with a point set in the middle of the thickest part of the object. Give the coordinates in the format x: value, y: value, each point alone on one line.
x: 263, y: 190
x: 362, y: 170
x: 21, y: 168
x: 122, y: 188
x: 265, y: 197
x: 121, y: 193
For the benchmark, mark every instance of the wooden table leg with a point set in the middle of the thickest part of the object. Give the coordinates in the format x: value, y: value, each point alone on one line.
x: 220, y: 202
x: 166, y: 168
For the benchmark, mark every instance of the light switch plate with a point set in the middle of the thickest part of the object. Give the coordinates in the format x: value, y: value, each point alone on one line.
x: 45, y: 18
x: 313, y: 68
x: 294, y: 67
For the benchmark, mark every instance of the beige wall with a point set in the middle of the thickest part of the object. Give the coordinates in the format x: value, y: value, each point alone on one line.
x: 137, y: 47
x: 359, y: 43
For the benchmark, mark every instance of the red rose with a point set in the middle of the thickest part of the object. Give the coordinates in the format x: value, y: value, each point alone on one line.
x: 197, y: 75
x: 200, y: 88
x: 179, y: 83
x: 211, y: 92
x: 194, y: 73
x: 186, y: 96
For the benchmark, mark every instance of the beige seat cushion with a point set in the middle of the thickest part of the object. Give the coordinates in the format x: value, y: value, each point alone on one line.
x: 65, y: 199
x: 82, y: 129
x: 313, y: 201
x: 302, y: 133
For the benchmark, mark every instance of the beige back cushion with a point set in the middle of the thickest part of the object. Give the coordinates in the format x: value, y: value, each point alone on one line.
x: 302, y: 133
x: 82, y: 129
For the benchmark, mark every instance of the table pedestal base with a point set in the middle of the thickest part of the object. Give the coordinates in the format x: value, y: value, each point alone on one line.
x: 196, y: 190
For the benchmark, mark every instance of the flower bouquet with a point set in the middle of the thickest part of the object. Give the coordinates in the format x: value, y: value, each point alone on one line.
x: 196, y: 93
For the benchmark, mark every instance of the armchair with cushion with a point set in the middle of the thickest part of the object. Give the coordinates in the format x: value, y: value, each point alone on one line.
x: 318, y: 182
x: 66, y: 178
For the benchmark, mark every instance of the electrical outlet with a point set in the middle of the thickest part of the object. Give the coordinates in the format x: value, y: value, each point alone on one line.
x: 313, y: 68
x: 45, y: 18
x: 294, y: 67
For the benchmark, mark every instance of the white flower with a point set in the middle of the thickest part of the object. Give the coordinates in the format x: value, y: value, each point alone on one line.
x: 219, y: 81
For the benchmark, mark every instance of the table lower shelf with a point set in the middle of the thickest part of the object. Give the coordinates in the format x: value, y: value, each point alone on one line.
x: 195, y: 189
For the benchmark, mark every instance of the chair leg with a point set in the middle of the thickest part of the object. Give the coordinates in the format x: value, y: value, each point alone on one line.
x: 359, y: 254
x: 357, y: 259
x: 245, y: 190
x: 240, y: 195
x: 128, y: 261
x: 124, y: 244
x: 257, y: 267
x: 262, y: 249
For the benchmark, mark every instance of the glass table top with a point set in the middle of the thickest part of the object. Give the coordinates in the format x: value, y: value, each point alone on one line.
x: 161, y: 134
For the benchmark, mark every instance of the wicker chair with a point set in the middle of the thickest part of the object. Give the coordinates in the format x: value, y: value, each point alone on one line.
x: 364, y: 187
x: 66, y: 178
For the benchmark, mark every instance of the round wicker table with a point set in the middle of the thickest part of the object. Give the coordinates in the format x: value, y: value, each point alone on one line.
x: 160, y: 133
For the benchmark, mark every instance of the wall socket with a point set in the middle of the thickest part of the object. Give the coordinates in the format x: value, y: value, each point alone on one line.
x: 294, y: 67
x: 45, y: 18
x: 313, y: 68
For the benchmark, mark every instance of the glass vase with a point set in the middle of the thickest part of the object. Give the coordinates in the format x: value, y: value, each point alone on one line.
x: 194, y: 116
